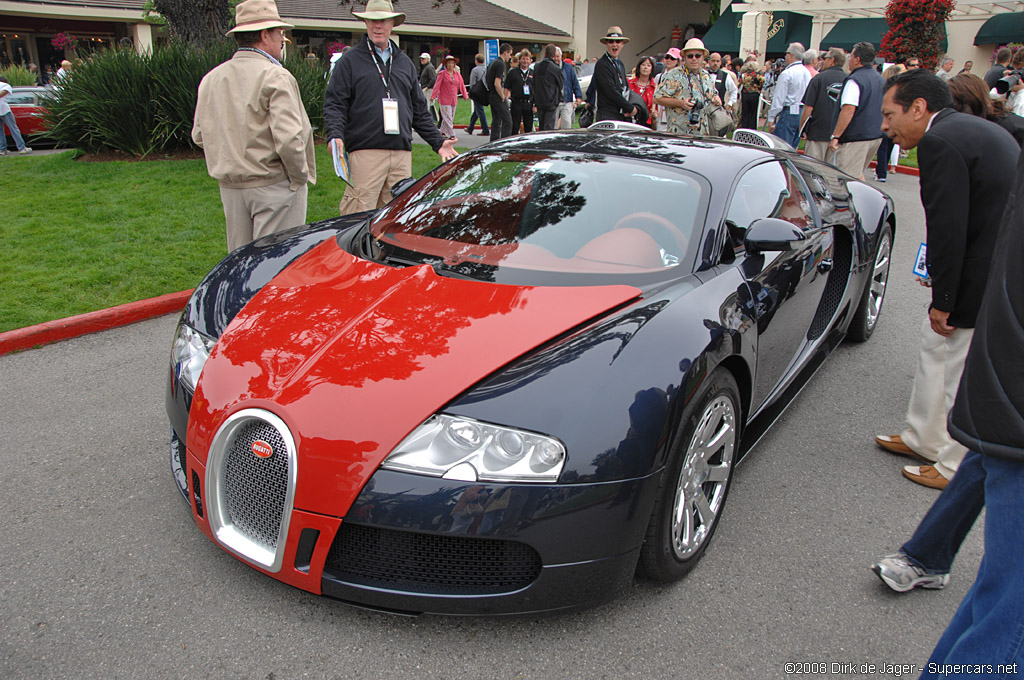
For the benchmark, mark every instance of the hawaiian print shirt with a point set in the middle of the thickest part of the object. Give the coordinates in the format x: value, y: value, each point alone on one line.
x: 682, y: 84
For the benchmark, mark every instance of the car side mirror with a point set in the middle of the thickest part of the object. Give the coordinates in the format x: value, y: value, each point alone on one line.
x: 401, y: 185
x: 771, y: 233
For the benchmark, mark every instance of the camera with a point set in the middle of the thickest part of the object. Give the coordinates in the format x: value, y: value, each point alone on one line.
x: 1004, y: 84
x: 695, y: 112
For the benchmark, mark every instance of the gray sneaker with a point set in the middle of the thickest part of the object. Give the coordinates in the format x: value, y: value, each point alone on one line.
x: 900, y: 574
x: 27, y: 149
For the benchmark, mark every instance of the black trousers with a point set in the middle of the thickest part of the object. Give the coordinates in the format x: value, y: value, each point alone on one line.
x: 546, y: 119
x: 522, y: 112
x: 749, y: 104
x: 501, y: 119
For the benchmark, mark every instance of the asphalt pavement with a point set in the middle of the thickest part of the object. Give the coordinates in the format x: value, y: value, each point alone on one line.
x: 104, y: 575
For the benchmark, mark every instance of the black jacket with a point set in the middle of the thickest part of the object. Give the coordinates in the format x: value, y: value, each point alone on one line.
x: 967, y: 165
x: 548, y: 85
x: 988, y: 414
x: 352, y: 103
x: 517, y: 84
x: 610, y: 80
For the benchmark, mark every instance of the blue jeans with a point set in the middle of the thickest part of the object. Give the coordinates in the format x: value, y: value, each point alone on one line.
x: 938, y: 537
x: 481, y: 113
x: 882, y: 159
x: 787, y: 126
x: 12, y: 125
x: 988, y: 628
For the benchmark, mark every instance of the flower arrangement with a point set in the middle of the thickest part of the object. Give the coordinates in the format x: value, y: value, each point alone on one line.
x: 64, y: 41
x: 334, y: 47
x: 916, y: 28
x: 1014, y: 46
x: 437, y: 52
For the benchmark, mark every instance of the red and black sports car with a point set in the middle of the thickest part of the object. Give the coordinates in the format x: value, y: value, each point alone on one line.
x: 531, y: 373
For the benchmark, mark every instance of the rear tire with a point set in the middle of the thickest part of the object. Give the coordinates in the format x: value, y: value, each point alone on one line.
x: 695, y: 482
x: 866, y: 318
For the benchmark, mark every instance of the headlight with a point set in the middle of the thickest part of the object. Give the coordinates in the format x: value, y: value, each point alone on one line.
x: 470, y: 450
x: 189, y: 353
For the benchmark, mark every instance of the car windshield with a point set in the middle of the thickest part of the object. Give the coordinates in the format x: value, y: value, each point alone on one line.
x: 545, y: 212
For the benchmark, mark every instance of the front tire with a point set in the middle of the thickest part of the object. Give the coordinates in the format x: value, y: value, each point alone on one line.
x: 693, y: 489
x: 870, y: 307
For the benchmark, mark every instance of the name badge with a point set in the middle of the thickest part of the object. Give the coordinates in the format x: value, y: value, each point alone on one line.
x: 390, y: 116
x: 526, y: 90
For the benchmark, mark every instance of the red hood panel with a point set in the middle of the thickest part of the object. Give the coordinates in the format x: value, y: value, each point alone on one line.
x: 354, y: 355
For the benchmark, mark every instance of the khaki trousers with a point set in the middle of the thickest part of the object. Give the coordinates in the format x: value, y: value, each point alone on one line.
x: 939, y: 366
x: 853, y: 157
x: 256, y: 212
x: 817, y: 150
x: 374, y: 172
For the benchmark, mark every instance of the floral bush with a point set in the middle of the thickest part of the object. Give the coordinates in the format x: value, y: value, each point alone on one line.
x: 64, y: 41
x: 334, y: 47
x: 916, y: 29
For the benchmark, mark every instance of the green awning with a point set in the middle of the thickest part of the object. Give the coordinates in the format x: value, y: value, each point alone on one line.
x: 1001, y: 29
x: 848, y: 32
x: 785, y: 28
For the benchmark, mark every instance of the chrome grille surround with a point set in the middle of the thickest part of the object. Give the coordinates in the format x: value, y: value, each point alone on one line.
x: 251, y: 498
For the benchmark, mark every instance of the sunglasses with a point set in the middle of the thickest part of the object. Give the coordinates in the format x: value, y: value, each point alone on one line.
x: 694, y: 56
x: 613, y: 42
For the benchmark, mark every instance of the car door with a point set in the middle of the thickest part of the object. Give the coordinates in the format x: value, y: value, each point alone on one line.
x: 785, y: 286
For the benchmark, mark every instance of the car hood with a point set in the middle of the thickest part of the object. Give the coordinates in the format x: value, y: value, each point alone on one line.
x: 353, y: 355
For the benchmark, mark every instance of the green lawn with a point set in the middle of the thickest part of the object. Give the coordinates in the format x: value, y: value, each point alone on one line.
x: 85, y: 236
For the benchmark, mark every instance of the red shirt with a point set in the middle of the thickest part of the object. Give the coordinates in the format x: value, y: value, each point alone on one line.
x: 647, y: 94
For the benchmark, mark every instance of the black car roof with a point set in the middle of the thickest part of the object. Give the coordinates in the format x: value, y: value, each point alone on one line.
x: 700, y: 153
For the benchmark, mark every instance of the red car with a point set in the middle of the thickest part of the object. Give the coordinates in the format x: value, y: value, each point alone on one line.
x: 26, y: 104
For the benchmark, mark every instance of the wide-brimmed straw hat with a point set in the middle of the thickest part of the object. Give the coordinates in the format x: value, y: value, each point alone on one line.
x: 378, y: 10
x: 614, y: 33
x: 694, y: 44
x: 257, y: 15
x: 451, y: 57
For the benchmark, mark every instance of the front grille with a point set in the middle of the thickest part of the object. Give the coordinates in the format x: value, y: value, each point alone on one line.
x: 426, y: 563
x: 835, y: 286
x: 254, y: 488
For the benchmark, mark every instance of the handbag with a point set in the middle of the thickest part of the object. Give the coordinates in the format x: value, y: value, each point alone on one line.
x: 719, y: 120
x: 586, y: 117
x: 478, y: 93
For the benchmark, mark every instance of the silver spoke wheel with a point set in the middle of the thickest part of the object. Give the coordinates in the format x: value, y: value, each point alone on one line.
x: 879, y: 280
x: 704, y: 477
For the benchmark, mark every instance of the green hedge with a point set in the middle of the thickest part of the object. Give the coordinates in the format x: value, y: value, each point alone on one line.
x: 18, y: 75
x: 119, y: 100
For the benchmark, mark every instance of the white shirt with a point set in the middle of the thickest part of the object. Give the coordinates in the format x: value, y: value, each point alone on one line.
x: 5, y: 108
x: 789, y: 90
x: 732, y: 90
x: 851, y: 94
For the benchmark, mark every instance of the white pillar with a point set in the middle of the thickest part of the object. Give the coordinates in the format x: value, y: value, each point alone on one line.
x: 817, y: 33
x: 754, y: 35
x: 142, y: 35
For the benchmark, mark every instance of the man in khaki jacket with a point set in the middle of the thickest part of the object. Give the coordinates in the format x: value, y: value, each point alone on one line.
x: 254, y: 130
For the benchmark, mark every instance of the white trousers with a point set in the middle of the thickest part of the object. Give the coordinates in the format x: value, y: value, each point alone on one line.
x: 939, y: 366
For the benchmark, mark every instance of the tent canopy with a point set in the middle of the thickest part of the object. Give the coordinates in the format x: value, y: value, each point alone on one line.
x: 1001, y: 29
x: 785, y: 28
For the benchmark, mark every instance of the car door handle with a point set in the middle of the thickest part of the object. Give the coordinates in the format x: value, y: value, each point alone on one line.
x: 825, y: 265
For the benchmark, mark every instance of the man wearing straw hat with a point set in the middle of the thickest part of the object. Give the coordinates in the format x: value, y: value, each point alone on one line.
x: 373, y: 103
x: 254, y: 130
x: 610, y: 79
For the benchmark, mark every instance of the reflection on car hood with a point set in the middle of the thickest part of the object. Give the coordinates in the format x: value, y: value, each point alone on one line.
x: 353, y: 355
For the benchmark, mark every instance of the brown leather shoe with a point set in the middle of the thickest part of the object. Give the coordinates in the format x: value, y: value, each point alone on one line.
x: 925, y: 475
x: 894, y: 444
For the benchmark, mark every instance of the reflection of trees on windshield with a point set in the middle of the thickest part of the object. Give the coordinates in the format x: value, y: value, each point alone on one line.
x: 552, y: 200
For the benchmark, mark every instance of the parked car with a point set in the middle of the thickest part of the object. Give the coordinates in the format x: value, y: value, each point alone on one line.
x: 585, y: 72
x: 529, y: 375
x: 28, y: 109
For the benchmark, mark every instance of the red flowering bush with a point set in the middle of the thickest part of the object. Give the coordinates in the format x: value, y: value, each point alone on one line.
x: 334, y: 46
x: 916, y: 28
x: 64, y: 41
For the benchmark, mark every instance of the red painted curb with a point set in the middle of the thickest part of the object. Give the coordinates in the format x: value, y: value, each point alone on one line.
x: 92, y: 322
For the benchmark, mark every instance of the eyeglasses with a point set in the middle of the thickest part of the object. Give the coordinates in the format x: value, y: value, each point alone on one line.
x: 694, y: 56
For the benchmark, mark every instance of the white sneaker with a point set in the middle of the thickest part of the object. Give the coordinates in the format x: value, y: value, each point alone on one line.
x: 900, y: 574
x: 27, y: 149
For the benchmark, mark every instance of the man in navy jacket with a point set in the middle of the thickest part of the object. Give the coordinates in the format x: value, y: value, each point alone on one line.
x: 373, y: 102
